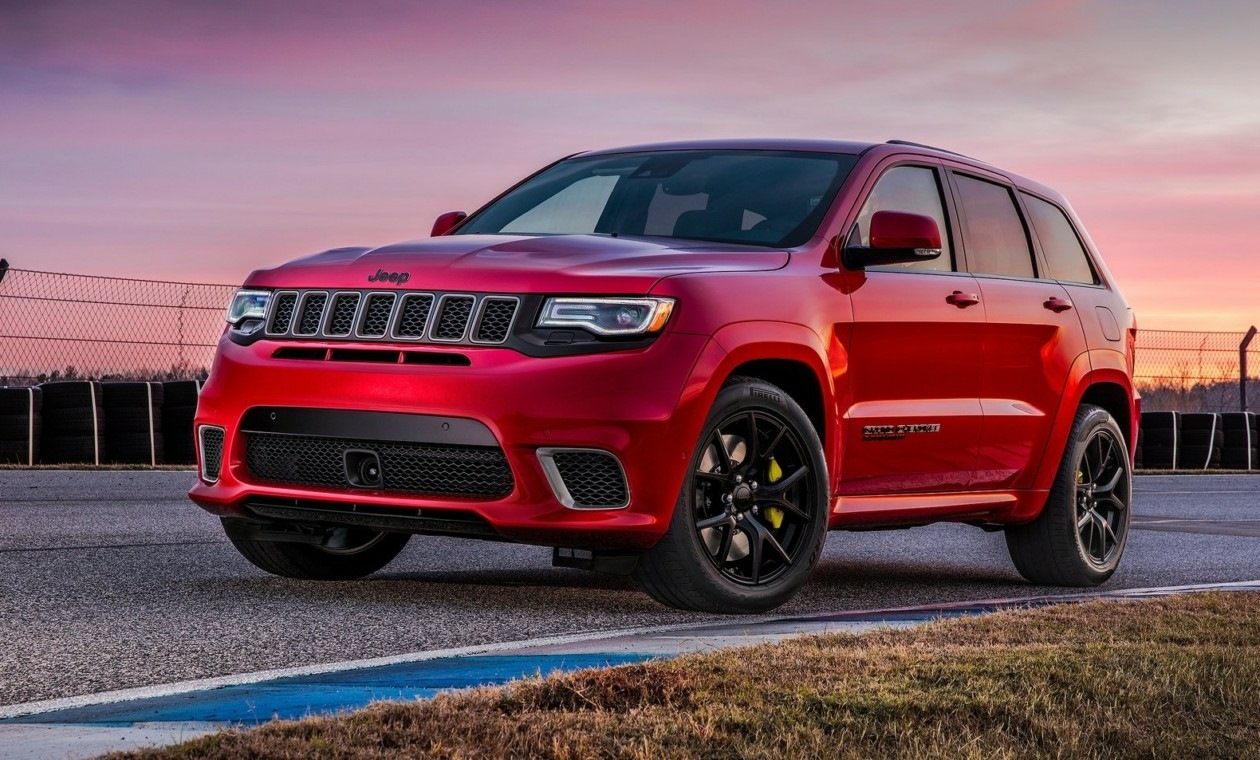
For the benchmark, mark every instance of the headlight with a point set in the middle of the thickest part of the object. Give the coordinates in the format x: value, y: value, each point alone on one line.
x: 248, y: 304
x: 608, y: 316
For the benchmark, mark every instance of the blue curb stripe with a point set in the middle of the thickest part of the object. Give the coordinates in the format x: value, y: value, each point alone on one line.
x: 299, y: 696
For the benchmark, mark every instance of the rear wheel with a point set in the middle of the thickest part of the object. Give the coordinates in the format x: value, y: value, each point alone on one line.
x: 750, y: 522
x: 346, y: 554
x: 1080, y: 535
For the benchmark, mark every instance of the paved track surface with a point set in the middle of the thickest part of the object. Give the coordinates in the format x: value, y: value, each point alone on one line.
x: 111, y: 580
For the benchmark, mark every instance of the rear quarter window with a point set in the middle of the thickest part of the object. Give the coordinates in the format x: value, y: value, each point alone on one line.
x: 993, y: 233
x: 1066, y: 259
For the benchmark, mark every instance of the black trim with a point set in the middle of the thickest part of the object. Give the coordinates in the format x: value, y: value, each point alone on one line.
x: 428, y: 522
x: 381, y: 426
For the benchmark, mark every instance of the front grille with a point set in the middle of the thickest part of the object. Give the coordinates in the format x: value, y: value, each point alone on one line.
x: 342, y: 320
x: 211, y: 452
x: 496, y: 320
x: 402, y: 316
x: 376, y: 315
x: 312, y: 314
x: 593, y: 478
x: 412, y: 468
x: 415, y: 315
x: 452, y: 322
x: 282, y: 313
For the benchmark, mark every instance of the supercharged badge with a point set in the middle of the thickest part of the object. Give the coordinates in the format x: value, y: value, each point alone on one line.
x: 882, y: 432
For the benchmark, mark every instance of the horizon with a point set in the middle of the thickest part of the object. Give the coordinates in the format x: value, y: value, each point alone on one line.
x: 196, y: 142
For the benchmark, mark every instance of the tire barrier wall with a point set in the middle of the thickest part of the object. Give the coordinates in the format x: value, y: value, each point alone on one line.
x: 1207, y: 441
x: 20, y: 425
x: 134, y: 434
x: 1200, y: 441
x: 73, y: 423
x: 89, y: 422
x: 178, y: 408
x: 1157, y: 438
x: 1241, y: 441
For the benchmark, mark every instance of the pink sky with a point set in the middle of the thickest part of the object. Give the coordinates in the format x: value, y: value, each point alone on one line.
x: 200, y: 140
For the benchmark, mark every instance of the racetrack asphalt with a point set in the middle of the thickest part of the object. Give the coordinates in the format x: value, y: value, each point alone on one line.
x: 113, y: 579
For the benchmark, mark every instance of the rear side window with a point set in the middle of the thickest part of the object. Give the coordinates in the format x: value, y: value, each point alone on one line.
x: 913, y: 189
x: 1065, y: 256
x: 992, y: 231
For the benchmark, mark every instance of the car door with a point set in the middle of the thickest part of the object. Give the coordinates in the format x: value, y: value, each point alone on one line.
x: 913, y: 424
x: 1033, y: 337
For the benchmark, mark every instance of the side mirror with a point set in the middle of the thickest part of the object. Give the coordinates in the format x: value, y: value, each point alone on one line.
x: 896, y: 238
x: 446, y: 222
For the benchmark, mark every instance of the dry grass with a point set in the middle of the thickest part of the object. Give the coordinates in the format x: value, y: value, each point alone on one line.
x: 1175, y: 678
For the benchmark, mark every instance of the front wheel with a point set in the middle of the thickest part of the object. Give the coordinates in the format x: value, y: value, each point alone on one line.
x: 1080, y: 535
x: 347, y: 553
x: 750, y: 521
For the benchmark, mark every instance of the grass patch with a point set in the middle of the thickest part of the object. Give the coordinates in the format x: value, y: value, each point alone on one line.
x: 1175, y: 677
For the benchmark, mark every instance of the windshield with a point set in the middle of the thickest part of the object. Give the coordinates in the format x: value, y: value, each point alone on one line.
x: 757, y: 197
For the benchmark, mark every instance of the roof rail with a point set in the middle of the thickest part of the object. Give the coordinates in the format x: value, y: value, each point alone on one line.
x: 930, y: 147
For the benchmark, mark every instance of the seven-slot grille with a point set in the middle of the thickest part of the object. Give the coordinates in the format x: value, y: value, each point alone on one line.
x: 392, y: 315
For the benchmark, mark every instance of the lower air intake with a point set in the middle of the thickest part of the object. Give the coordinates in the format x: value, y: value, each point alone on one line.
x: 586, y: 478
x: 410, y: 468
x: 212, y: 439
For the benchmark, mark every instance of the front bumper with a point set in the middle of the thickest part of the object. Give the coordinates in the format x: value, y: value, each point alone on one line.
x: 641, y: 406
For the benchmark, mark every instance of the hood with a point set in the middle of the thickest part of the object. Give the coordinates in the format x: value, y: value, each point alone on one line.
x: 518, y: 264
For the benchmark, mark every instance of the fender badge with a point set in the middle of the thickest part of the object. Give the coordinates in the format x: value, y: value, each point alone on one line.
x: 894, y: 432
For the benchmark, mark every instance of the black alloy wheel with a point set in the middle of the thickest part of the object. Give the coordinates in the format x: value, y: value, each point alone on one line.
x: 752, y: 501
x: 751, y: 516
x: 1080, y: 535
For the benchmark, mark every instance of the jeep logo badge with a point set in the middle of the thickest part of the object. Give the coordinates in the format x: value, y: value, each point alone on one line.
x: 397, y: 278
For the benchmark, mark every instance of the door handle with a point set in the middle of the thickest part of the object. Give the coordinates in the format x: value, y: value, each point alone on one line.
x: 962, y: 300
x: 1057, y: 305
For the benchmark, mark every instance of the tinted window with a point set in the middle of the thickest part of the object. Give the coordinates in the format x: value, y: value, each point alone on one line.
x: 1065, y: 256
x: 576, y: 208
x: 992, y: 231
x: 774, y: 198
x: 913, y: 189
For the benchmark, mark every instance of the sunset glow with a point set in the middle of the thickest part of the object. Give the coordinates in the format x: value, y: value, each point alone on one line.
x: 198, y: 141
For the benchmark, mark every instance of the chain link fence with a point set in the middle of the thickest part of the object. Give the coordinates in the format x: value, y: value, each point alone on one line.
x: 69, y: 327
x: 64, y: 327
x: 1197, y: 371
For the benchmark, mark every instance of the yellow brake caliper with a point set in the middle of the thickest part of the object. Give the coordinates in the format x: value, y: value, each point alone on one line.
x: 774, y: 514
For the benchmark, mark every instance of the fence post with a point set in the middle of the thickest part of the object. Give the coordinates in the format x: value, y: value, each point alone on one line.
x: 1242, y: 368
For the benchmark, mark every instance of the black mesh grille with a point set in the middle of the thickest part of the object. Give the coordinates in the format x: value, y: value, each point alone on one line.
x: 282, y: 317
x: 454, y: 318
x: 211, y: 452
x: 496, y: 318
x: 342, y: 320
x: 415, y: 468
x: 376, y: 316
x: 312, y: 313
x: 415, y: 314
x: 593, y: 478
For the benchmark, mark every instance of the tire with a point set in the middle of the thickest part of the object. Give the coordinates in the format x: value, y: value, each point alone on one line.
x: 1158, y: 437
x: 1080, y: 535
x: 723, y: 551
x: 1159, y: 420
x: 180, y: 393
x: 1158, y: 458
x: 367, y: 552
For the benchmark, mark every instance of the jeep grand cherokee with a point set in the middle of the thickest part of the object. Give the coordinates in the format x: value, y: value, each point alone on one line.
x: 688, y: 362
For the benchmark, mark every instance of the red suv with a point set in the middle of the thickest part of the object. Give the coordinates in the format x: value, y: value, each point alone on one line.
x: 688, y: 362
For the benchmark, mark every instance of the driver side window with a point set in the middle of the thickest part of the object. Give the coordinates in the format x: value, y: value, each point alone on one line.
x: 915, y: 190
